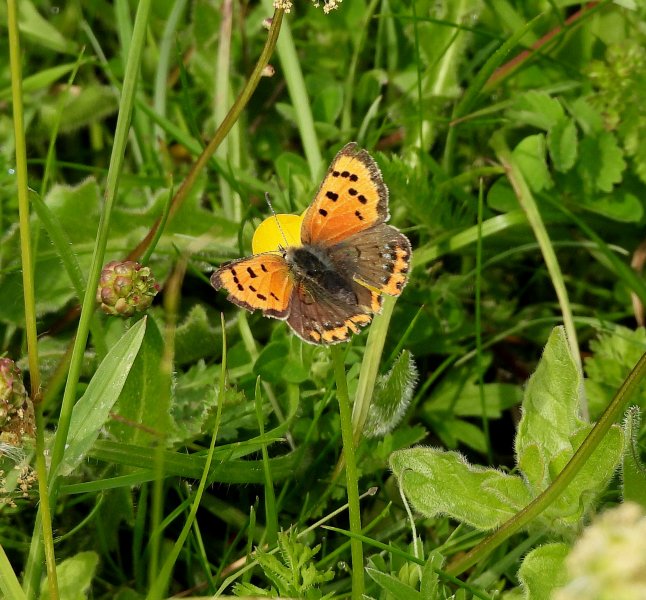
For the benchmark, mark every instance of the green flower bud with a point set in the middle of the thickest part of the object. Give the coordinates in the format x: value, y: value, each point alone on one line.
x: 126, y: 287
x: 13, y: 395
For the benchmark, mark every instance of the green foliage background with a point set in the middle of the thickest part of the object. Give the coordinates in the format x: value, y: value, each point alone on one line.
x: 510, y: 135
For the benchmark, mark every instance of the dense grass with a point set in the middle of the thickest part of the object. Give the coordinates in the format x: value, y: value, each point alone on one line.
x: 196, y: 449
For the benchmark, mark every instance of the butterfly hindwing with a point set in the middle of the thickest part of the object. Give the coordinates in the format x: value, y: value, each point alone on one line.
x: 352, y: 198
x: 260, y: 282
x: 318, y: 319
x: 378, y: 257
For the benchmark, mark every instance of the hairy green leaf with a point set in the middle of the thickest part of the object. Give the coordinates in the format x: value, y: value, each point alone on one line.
x: 543, y: 570
x: 633, y: 473
x: 443, y: 483
x: 392, y: 395
x: 550, y: 409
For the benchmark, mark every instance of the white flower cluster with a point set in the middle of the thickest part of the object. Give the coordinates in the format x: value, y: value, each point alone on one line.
x: 328, y: 5
x: 285, y: 5
x: 608, y: 561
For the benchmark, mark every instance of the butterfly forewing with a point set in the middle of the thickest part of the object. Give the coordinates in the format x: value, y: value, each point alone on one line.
x: 261, y: 282
x: 352, y: 198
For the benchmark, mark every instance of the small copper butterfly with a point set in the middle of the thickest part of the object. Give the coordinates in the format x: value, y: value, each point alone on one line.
x: 331, y: 284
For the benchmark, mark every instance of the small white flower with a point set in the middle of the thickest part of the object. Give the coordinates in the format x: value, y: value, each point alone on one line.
x: 285, y: 5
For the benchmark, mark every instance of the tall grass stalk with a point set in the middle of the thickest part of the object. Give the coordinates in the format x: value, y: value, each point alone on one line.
x: 43, y: 525
x: 351, y: 474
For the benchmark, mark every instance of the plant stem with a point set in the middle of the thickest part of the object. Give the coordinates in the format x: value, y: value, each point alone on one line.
x: 301, y: 102
x: 28, y: 290
x: 569, y: 472
x: 229, y: 121
x: 352, y: 480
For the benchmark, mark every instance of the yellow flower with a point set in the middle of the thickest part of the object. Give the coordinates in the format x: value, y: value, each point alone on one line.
x: 270, y: 237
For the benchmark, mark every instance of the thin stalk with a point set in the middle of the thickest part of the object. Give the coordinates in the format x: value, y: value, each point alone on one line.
x: 528, y: 204
x: 538, y: 505
x: 32, y: 578
x: 230, y: 201
x: 271, y: 528
x: 29, y: 295
x: 301, y: 102
x: 478, y: 324
x: 351, y: 475
x: 229, y: 121
x: 370, y: 367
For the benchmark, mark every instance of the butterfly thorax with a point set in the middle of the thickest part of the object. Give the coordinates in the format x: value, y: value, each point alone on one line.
x: 313, y: 266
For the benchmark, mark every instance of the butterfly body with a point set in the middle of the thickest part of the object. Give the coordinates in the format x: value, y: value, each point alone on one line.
x: 330, y: 285
x: 314, y: 268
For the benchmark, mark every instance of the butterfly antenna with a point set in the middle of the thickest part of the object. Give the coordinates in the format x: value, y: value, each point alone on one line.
x: 273, y: 212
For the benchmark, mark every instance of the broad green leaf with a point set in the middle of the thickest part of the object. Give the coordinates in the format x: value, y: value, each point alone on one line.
x: 93, y: 408
x: 614, y: 354
x: 294, y: 370
x: 619, y: 206
x: 501, y: 196
x: 586, y: 116
x: 144, y: 402
x: 633, y: 473
x: 195, y: 402
x: 529, y: 154
x: 562, y: 144
x: 197, y: 337
x: 392, y: 396
x: 438, y: 482
x: 583, y: 491
x: 550, y: 408
x: 601, y: 162
x: 538, y: 109
x: 74, y: 576
x: 543, y: 570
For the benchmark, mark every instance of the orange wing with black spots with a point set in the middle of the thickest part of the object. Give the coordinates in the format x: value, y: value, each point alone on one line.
x: 261, y: 282
x: 352, y: 198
